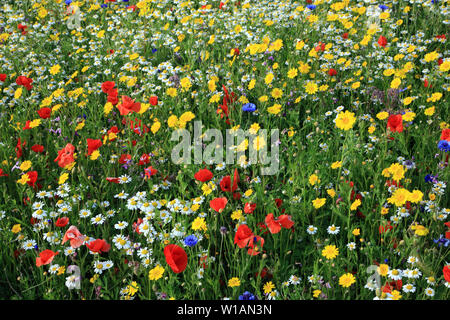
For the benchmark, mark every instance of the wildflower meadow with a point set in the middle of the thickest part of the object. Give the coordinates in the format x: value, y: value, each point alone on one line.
x: 224, y: 150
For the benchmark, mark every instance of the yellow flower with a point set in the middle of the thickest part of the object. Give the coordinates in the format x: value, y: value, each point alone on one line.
x: 419, y: 230
x: 155, y: 127
x: 399, y: 197
x: 292, y: 73
x: 55, y: 69
x: 277, y: 93
x: 319, y: 202
x: 445, y: 66
x: 94, y: 155
x: 382, y: 115
x: 199, y: 224
x: 356, y: 232
x: 236, y: 215
x: 172, y: 92
x: 409, y: 116
x: 395, y: 83
x: 234, y: 282
x: 275, y: 109
x: 331, y: 192
x: 268, y: 287
x: 63, y: 178
x: 316, y: 293
x: 330, y: 252
x: 18, y: 93
x: 383, y: 269
x: 313, y: 179
x: 16, y: 228
x: 355, y: 204
x: 24, y: 166
x: 311, y: 87
x: 415, y: 196
x: 431, y: 56
x: 101, y: 34
x: 345, y: 120
x: 156, y: 273
x: 336, y: 165
x: 268, y: 79
x: 346, y: 280
x: 429, y: 111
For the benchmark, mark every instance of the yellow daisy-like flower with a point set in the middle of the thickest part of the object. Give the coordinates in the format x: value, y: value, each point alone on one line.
x: 355, y: 204
x: 275, y: 109
x: 313, y: 179
x: 268, y: 287
x: 346, y: 280
x: 319, y: 202
x: 345, y: 120
x: 382, y: 115
x: 311, y: 87
x: 234, y: 282
x: 277, y: 93
x: 399, y: 197
x: 383, y: 269
x: 156, y: 273
x: 330, y: 252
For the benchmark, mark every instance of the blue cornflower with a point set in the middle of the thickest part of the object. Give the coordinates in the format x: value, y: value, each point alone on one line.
x: 154, y: 50
x: 191, y: 240
x: 444, y: 145
x: 383, y: 7
x: 68, y: 2
x: 311, y: 6
x: 247, y: 296
x: 104, y: 5
x: 249, y: 107
x: 442, y: 241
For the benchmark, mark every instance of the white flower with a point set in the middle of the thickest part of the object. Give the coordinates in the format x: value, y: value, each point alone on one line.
x: 333, y: 229
x: 311, y: 229
x: 429, y: 292
x: 121, y: 225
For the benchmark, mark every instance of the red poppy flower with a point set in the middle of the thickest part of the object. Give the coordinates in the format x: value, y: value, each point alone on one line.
x: 150, y: 171
x: 345, y: 35
x: 255, y: 245
x: 176, y: 257
x: 45, y: 257
x: 382, y: 41
x: 386, y: 228
x: 225, y: 183
x: 113, y: 180
x: 93, y: 144
x: 128, y: 105
x: 2, y: 174
x: 236, y: 51
x: 74, y: 236
x: 24, y: 81
x: 332, y: 72
x: 426, y: 83
x: 218, y: 204
x: 144, y: 159
x: 107, y: 86
x: 153, y: 100
x: 113, y: 99
x: 136, y: 225
x: 62, y: 222
x: 32, y: 175
x: 445, y: 134
x: 98, y: 246
x: 44, y: 113
x: 2, y: 77
x: 37, y: 148
x: 275, y: 225
x: 249, y: 207
x: 243, y: 236
x: 19, y: 146
x: 446, y: 271
x: 124, y: 158
x: 203, y: 175
x: 65, y: 155
x: 395, y: 123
